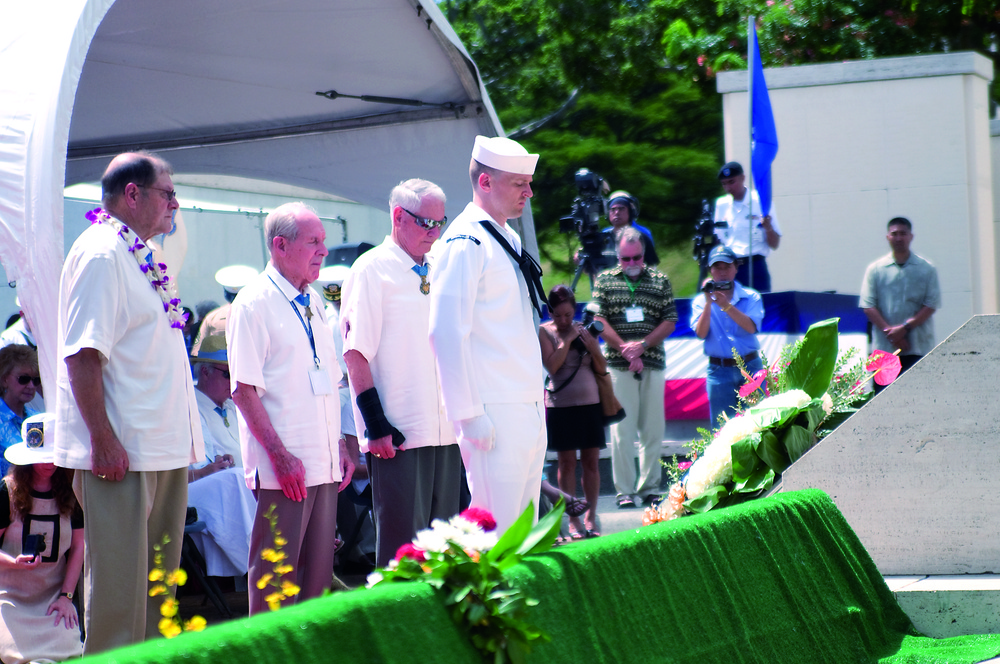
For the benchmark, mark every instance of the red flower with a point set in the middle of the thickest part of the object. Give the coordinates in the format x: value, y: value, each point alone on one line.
x: 480, y: 517
x: 753, y: 384
x: 684, y: 465
x: 410, y: 551
x: 885, y: 365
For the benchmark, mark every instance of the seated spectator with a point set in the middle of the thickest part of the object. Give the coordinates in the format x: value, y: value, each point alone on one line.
x: 19, y: 380
x: 216, y: 408
x: 41, y: 557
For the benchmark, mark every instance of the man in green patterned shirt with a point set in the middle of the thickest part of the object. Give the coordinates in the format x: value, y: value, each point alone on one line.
x: 637, y: 308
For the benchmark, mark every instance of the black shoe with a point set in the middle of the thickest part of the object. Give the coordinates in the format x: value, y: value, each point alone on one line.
x: 652, y: 499
x: 626, y: 502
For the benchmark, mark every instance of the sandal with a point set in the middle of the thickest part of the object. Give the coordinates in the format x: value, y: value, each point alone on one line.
x: 576, y: 506
x: 592, y: 533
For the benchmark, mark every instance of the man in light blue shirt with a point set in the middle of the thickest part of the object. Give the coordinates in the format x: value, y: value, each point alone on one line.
x: 899, y: 294
x: 727, y: 316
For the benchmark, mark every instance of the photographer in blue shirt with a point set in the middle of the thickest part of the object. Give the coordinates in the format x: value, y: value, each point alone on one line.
x: 727, y: 316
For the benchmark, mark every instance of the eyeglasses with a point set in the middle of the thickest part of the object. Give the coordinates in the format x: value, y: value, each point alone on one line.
x: 25, y: 379
x: 425, y: 223
x: 224, y: 372
x: 171, y: 195
x: 631, y: 259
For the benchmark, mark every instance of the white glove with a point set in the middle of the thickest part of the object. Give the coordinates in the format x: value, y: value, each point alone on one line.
x: 479, y: 431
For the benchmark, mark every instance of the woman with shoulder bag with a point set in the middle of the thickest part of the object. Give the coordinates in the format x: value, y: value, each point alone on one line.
x: 573, y: 414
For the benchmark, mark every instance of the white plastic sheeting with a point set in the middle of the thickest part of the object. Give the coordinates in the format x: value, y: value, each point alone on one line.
x: 226, y: 87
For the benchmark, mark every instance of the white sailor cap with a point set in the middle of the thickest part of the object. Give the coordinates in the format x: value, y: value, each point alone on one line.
x: 234, y: 277
x: 330, y: 279
x: 504, y: 154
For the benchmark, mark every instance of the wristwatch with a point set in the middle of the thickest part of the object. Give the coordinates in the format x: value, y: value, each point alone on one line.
x: 68, y: 596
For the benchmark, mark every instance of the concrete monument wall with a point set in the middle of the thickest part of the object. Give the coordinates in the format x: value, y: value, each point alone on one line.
x: 916, y: 472
x: 864, y: 141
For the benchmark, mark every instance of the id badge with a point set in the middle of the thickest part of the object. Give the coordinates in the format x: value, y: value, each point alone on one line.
x: 633, y: 314
x: 320, y: 381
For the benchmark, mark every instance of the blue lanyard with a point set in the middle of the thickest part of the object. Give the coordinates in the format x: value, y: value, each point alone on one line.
x: 306, y: 325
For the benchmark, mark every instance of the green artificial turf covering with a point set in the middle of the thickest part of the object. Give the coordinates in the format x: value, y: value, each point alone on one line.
x: 782, y: 579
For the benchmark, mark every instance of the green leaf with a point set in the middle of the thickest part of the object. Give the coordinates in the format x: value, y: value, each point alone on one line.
x: 544, y: 533
x: 761, y: 480
x: 458, y: 595
x: 771, y: 452
x: 514, y: 536
x: 814, y: 414
x: 707, y: 500
x: 744, y: 460
x: 812, y: 368
x: 772, y: 416
x: 797, y: 441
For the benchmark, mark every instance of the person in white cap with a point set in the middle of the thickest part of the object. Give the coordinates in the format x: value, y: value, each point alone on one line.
x: 415, y: 463
x: 483, y: 333
x: 232, y: 278
x: 41, y: 551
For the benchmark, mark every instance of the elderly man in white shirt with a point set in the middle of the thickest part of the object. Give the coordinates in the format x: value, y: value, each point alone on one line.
x: 484, y: 337
x: 284, y: 375
x: 124, y: 399
x: 417, y: 477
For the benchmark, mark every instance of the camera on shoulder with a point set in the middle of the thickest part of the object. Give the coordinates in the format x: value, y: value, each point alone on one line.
x: 712, y: 286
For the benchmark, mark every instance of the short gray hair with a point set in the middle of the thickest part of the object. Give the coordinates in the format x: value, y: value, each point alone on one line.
x: 410, y: 193
x: 628, y: 235
x: 282, y: 222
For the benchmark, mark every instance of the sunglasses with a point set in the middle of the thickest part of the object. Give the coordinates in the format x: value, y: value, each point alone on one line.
x: 224, y: 372
x: 425, y: 223
x: 25, y: 379
x: 630, y: 259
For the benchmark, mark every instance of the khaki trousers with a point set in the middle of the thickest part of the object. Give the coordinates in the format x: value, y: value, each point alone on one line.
x: 122, y: 522
x: 644, y: 421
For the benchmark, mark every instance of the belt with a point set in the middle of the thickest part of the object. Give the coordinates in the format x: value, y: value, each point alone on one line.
x: 730, y: 362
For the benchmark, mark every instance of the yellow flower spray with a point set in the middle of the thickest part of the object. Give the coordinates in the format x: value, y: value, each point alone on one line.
x: 170, y: 624
x: 283, y: 589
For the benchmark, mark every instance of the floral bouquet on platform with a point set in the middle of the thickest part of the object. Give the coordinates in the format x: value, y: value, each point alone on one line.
x: 463, y: 558
x: 787, y: 409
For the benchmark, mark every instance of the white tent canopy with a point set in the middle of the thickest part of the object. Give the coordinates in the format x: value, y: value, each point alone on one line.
x: 224, y: 87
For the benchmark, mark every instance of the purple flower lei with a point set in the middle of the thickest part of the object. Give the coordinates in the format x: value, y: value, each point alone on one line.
x: 156, y: 273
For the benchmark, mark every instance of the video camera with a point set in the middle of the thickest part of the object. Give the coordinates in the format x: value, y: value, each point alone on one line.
x: 712, y: 286
x: 584, y: 219
x: 705, y: 237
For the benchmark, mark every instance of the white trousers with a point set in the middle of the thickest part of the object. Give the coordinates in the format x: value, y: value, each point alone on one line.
x: 644, y: 421
x: 508, y: 477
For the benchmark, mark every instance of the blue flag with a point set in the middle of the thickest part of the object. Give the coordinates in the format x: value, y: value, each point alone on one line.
x: 763, y: 134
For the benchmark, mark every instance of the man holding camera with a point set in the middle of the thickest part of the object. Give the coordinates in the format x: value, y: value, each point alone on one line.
x: 727, y: 316
x: 740, y: 227
x: 638, y: 312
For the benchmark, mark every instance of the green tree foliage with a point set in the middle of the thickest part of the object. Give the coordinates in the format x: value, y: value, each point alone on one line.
x: 702, y: 37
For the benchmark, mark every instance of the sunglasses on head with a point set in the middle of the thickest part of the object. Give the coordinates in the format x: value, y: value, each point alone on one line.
x: 424, y: 222
x: 24, y: 379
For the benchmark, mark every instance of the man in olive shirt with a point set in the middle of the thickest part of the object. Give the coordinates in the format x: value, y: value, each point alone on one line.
x: 637, y: 308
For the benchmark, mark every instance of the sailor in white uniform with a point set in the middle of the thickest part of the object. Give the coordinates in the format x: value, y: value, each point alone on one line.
x: 484, y: 337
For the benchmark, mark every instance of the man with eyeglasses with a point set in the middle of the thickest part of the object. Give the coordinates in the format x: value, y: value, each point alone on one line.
x: 484, y: 337
x: 125, y: 400
x: 637, y: 308
x: 413, y: 459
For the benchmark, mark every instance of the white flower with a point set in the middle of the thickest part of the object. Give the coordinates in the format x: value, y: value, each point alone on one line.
x: 789, y: 399
x: 713, y: 468
x: 462, y: 532
x: 373, y: 578
x: 827, y: 403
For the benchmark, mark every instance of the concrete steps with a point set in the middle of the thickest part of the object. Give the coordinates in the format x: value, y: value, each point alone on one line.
x: 950, y: 605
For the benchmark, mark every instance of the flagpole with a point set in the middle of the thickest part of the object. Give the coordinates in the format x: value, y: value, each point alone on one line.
x: 749, y: 171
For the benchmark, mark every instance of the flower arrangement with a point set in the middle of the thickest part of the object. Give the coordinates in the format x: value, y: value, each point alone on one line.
x: 155, y: 273
x: 785, y: 410
x: 283, y: 588
x: 170, y: 624
x: 464, y: 559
